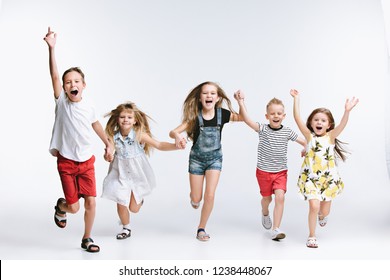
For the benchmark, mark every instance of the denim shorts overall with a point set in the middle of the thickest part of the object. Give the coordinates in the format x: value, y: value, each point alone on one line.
x: 206, y: 153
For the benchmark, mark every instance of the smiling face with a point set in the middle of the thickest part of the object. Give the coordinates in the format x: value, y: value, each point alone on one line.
x: 208, y: 97
x: 320, y: 123
x: 126, y: 121
x: 73, y: 86
x: 275, y: 115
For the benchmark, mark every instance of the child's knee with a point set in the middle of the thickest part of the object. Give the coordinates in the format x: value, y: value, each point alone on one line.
x: 279, y: 197
x: 267, y: 199
x: 90, y: 203
x: 73, y: 208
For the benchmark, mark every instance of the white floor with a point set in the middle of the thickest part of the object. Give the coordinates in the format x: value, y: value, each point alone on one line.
x: 166, y: 230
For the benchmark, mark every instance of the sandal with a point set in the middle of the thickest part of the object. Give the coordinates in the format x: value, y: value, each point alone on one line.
x: 60, y: 220
x: 312, y: 242
x: 322, y: 222
x: 89, y: 246
x: 194, y: 205
x: 201, y: 235
x: 125, y: 233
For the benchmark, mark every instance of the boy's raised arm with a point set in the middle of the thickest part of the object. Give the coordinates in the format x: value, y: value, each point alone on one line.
x: 51, y: 39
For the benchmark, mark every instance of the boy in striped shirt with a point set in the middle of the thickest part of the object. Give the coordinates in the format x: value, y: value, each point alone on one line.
x: 271, y: 171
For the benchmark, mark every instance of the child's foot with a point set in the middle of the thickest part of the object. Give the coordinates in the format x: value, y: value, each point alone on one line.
x: 201, y: 235
x: 125, y: 233
x: 312, y: 242
x: 277, y: 234
x: 89, y: 246
x: 322, y: 221
x: 59, y: 215
x: 266, y: 222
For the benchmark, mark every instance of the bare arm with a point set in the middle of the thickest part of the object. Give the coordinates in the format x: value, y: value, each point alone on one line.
x: 297, y: 115
x: 301, y: 141
x: 180, y: 140
x: 239, y: 96
x: 51, y: 39
x: 349, y: 105
x: 97, y: 127
x: 162, y: 146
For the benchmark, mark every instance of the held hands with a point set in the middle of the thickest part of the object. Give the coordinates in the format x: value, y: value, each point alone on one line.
x: 50, y: 38
x: 350, y: 103
x: 108, y: 154
x: 180, y: 142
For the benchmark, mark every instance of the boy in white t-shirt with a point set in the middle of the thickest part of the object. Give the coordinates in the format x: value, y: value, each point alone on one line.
x: 71, y: 143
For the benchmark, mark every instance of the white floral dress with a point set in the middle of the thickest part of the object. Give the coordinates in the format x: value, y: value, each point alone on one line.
x: 129, y: 172
x: 319, y: 178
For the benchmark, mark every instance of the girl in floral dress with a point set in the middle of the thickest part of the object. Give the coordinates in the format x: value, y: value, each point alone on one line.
x: 319, y: 181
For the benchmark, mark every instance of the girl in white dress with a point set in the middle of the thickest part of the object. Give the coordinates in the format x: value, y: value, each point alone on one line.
x: 130, y: 177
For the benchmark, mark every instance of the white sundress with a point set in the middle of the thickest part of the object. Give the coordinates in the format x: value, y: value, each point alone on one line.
x: 129, y: 172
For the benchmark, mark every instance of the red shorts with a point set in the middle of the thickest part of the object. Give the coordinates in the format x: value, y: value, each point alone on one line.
x: 77, y: 178
x: 269, y: 182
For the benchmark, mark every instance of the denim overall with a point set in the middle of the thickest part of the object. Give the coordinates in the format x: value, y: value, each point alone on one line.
x: 206, y: 153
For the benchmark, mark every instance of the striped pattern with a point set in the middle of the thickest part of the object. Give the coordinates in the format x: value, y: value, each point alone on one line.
x: 272, y: 148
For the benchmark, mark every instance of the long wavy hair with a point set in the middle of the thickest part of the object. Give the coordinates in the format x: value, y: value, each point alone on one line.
x: 339, y: 145
x: 192, y: 106
x: 141, y: 122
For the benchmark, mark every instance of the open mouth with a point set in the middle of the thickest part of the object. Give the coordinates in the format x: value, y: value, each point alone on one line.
x: 318, y: 127
x: 74, y: 92
x: 209, y: 101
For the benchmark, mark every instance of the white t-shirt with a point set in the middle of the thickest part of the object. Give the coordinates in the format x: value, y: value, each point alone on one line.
x: 72, y: 131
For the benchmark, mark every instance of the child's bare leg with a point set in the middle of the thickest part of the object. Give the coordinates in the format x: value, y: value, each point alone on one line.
x: 279, y: 207
x: 134, y: 207
x: 124, y: 216
x: 196, y: 186
x: 314, y: 208
x: 89, y: 215
x: 123, y: 213
x: 212, y: 178
x: 265, y: 202
x: 324, y: 209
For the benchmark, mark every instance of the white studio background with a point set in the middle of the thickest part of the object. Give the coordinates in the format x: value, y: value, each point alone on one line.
x: 153, y: 53
x: 386, y: 14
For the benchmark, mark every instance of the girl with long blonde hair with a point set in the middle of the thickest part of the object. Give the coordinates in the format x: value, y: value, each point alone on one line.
x: 130, y: 176
x: 203, y: 120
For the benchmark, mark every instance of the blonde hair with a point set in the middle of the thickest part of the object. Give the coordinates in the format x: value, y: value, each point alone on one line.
x: 192, y: 105
x: 274, y: 101
x: 140, y: 126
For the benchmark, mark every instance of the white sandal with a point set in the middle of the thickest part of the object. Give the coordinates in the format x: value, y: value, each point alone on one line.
x: 312, y: 242
x: 322, y: 222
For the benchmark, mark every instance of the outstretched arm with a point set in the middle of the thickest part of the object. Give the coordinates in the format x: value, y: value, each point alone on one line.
x: 162, y: 146
x: 51, y: 39
x: 349, y: 105
x: 297, y: 115
x: 239, y: 96
x: 180, y: 140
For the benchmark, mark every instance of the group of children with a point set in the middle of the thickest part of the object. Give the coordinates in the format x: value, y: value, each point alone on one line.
x: 128, y: 140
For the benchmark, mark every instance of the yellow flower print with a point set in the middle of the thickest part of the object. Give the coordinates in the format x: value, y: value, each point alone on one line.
x: 331, y: 192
